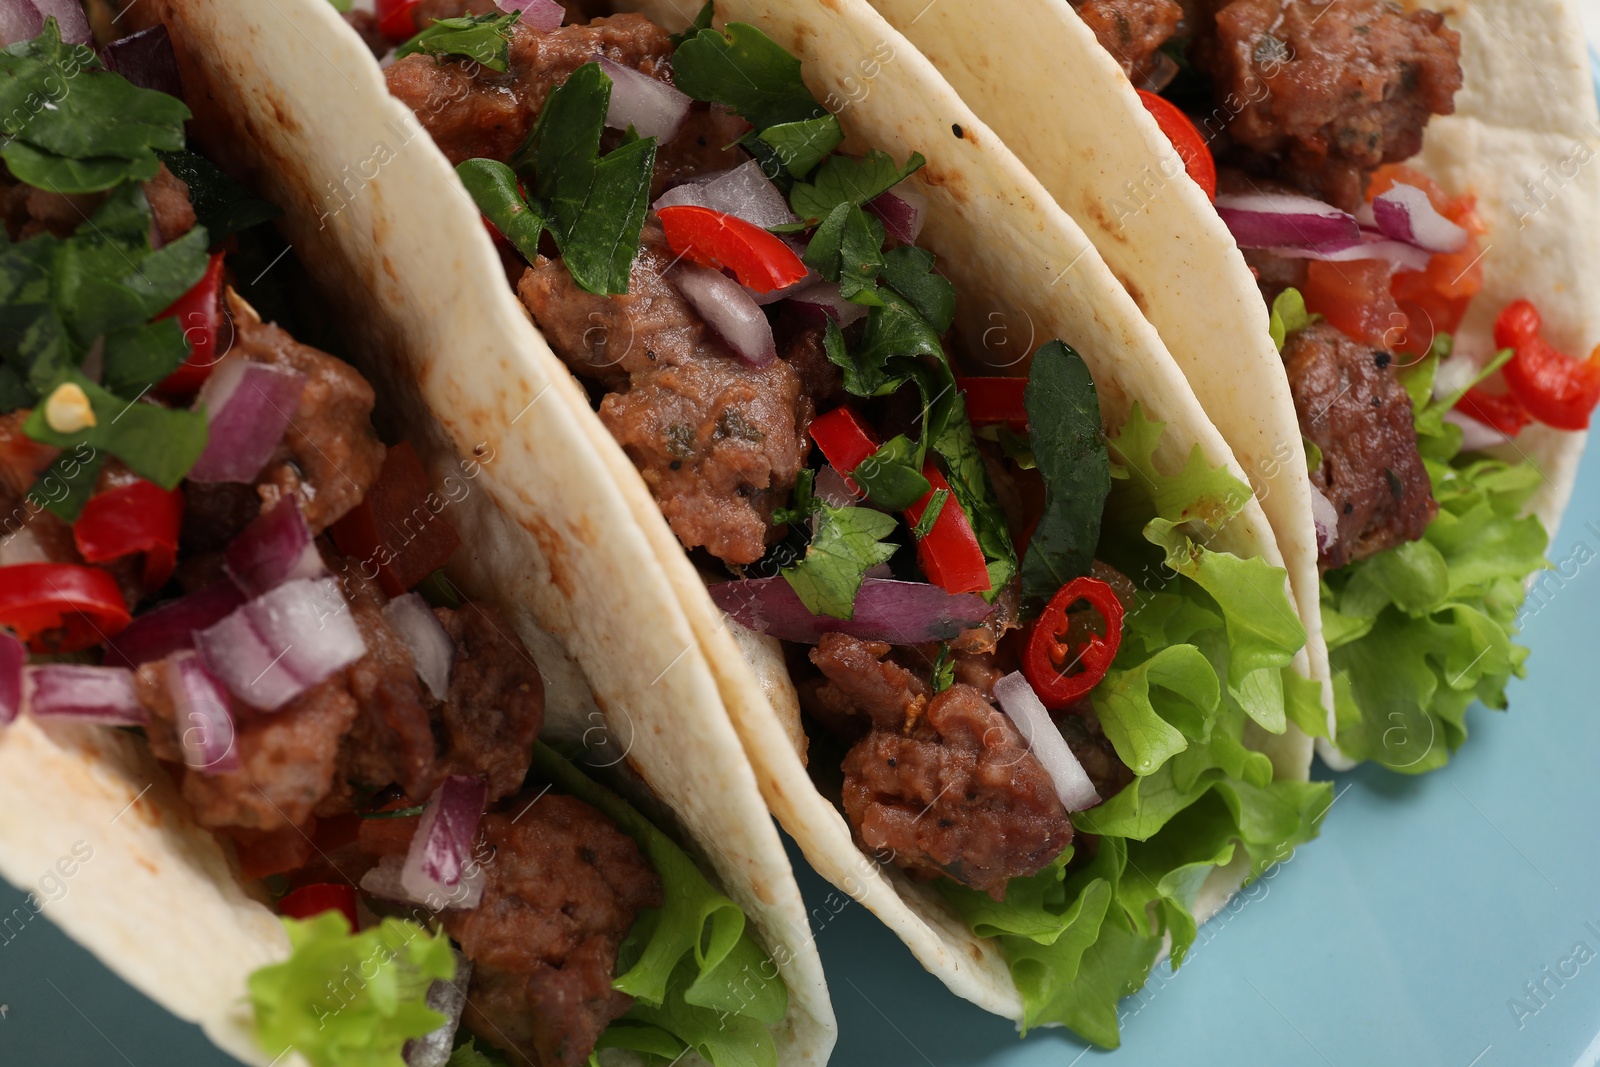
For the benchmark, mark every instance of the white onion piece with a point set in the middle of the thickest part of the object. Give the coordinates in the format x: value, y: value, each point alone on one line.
x: 542, y: 15
x: 1018, y: 700
x: 650, y: 106
x: 19, y: 21
x: 1405, y: 213
x: 69, y: 16
x: 1402, y: 255
x: 13, y: 657
x: 276, y: 547
x: 434, y: 1048
x: 728, y: 310
x: 282, y: 643
x: 744, y: 191
x: 204, y: 721
x: 103, y: 696
x: 248, y: 406
x: 902, y: 211
x: 1475, y: 436
x: 825, y: 297
x: 439, y: 863
x: 1326, y: 519
x: 420, y: 629
x: 1271, y: 220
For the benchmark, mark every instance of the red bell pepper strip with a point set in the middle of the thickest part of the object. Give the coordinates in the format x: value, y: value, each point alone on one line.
x: 311, y: 900
x: 843, y: 438
x: 397, y: 19
x: 137, y: 517
x: 995, y: 400
x: 1499, y: 410
x: 61, y: 607
x: 1553, y: 387
x: 1046, y: 661
x: 397, y: 534
x: 758, y: 259
x: 1186, y: 139
x: 199, y: 313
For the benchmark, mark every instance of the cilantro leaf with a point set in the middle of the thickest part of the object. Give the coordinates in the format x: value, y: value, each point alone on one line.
x: 846, y: 249
x: 800, y: 146
x: 69, y: 482
x: 843, y: 180
x: 894, y: 331
x: 483, y: 38
x: 892, y: 476
x: 908, y: 270
x: 702, y: 21
x: 222, y: 205
x: 848, y: 543
x: 493, y: 187
x: 744, y: 69
x: 157, y: 443
x: 138, y: 357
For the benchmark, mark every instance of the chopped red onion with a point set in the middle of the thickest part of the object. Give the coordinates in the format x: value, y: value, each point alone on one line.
x: 204, y: 720
x: 901, y: 210
x: 146, y: 59
x: 1018, y: 700
x: 542, y: 15
x: 1274, y: 220
x: 248, y: 406
x: 1402, y: 255
x: 728, y: 310
x: 171, y: 627
x: 276, y: 547
x: 836, y: 490
x: 282, y: 643
x: 19, y: 21
x: 431, y: 649
x: 103, y: 696
x: 652, y: 107
x: 1475, y: 436
x: 744, y: 191
x: 439, y: 863
x: 383, y: 882
x: 1405, y: 213
x: 824, y: 297
x: 13, y: 657
x: 435, y: 1048
x: 69, y: 16
x: 901, y: 613
x: 1326, y: 520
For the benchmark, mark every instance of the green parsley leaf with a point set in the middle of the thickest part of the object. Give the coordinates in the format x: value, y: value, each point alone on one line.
x: 744, y: 69
x: 223, y: 206
x: 157, y: 443
x: 847, y: 544
x: 702, y: 21
x: 894, y: 331
x: 847, y: 249
x: 69, y: 482
x: 1288, y: 315
x: 493, y: 187
x: 483, y: 38
x: 944, y: 665
x: 843, y: 180
x: 892, y: 476
x: 800, y: 146
x: 908, y: 270
x: 138, y: 357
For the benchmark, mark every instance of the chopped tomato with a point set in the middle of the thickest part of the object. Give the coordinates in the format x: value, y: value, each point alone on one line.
x: 263, y: 853
x: 1435, y: 300
x: 1354, y: 298
x: 199, y: 314
x: 1061, y: 673
x: 758, y: 259
x: 137, y: 517
x: 311, y: 900
x: 1553, y: 387
x: 995, y: 400
x: 397, y: 19
x: 61, y: 607
x: 1186, y: 139
x: 397, y: 534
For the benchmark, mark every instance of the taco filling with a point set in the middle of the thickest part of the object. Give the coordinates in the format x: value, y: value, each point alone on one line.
x: 1026, y: 679
x: 207, y: 542
x: 1311, y: 113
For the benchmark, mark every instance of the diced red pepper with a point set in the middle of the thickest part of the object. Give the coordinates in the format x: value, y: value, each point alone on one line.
x: 1185, y: 138
x: 61, y: 607
x: 716, y: 239
x: 311, y: 900
x: 1046, y: 662
x: 137, y: 517
x: 843, y: 438
x: 199, y: 313
x: 1553, y: 387
x: 995, y: 400
x: 397, y: 19
x: 1499, y: 410
x: 950, y: 555
x: 395, y: 534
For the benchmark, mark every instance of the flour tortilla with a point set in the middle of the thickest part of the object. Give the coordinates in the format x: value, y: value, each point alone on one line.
x: 288, y: 100
x: 1524, y: 138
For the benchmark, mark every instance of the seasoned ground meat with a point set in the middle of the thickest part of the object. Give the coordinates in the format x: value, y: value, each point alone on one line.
x: 1351, y: 403
x: 29, y: 211
x: 1274, y: 273
x: 718, y: 441
x: 1132, y: 30
x: 801, y: 347
x: 563, y: 887
x: 214, y: 513
x: 1350, y: 84
x: 944, y: 784
x: 706, y: 143
x: 169, y: 202
x: 330, y: 454
x: 495, y: 707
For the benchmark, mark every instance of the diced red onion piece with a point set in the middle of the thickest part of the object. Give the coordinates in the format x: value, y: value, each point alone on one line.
x: 439, y: 862
x: 728, y: 310
x: 652, y: 107
x: 542, y: 15
x: 204, y: 720
x: 69, y: 16
x: 1475, y: 435
x: 744, y: 191
x: 276, y: 547
x: 1274, y: 220
x: 146, y: 59
x: 171, y: 627
x: 282, y: 643
x: 383, y: 882
x: 1405, y: 213
x: 901, y: 210
x: 824, y: 296
x: 1402, y: 255
x: 901, y: 613
x: 103, y: 696
x: 434, y: 1048
x: 1326, y: 520
x: 836, y: 490
x: 1018, y: 700
x: 248, y: 406
x: 13, y: 657
x: 19, y: 21
x: 423, y: 634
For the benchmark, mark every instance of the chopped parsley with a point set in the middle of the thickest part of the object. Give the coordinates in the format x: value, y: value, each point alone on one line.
x: 848, y: 248
x: 485, y: 39
x: 493, y: 187
x: 744, y: 69
x: 848, y: 543
x: 221, y: 205
x: 843, y: 180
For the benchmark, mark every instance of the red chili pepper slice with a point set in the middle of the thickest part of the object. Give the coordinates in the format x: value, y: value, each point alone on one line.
x: 397, y: 19
x: 1553, y: 387
x: 950, y: 555
x: 1045, y: 660
x: 758, y: 259
x: 1499, y: 410
x: 199, y: 312
x: 1190, y: 145
x: 995, y: 400
x: 61, y: 607
x: 311, y: 900
x: 397, y: 534
x: 137, y: 517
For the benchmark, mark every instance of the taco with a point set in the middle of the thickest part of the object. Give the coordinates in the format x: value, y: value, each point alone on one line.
x: 1412, y: 195
x: 255, y: 663
x: 1013, y: 656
